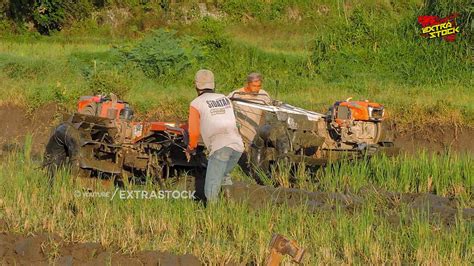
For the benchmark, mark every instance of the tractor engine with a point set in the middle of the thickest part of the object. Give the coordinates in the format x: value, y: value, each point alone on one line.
x: 106, y: 107
x: 354, y: 122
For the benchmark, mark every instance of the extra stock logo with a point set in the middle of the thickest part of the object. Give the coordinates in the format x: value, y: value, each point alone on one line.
x: 436, y: 27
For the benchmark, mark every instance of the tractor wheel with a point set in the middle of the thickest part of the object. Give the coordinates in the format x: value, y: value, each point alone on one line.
x: 63, y: 149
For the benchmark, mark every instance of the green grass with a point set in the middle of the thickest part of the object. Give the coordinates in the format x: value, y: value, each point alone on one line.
x: 233, y: 231
x: 310, y: 54
x: 65, y: 71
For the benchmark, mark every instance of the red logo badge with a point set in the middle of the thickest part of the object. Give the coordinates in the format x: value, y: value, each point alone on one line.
x: 436, y: 27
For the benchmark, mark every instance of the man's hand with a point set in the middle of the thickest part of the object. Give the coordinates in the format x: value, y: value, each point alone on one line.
x: 276, y: 102
x: 189, y: 153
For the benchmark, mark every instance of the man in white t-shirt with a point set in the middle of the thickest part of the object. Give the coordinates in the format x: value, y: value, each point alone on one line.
x: 211, y: 116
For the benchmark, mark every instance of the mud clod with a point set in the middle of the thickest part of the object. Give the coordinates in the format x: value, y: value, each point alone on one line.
x: 259, y: 196
x: 32, y: 250
x: 85, y: 251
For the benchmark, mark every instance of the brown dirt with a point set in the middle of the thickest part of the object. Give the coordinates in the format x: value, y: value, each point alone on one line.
x: 17, y: 123
x: 437, y: 139
x: 48, y: 249
x: 432, y: 206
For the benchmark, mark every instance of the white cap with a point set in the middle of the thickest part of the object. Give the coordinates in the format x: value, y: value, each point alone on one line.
x: 204, y: 79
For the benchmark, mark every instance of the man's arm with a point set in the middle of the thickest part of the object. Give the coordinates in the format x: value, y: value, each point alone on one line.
x: 231, y: 94
x: 236, y: 93
x: 193, y: 128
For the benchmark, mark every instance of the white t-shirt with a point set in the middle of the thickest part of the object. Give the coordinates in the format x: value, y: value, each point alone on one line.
x: 218, y: 126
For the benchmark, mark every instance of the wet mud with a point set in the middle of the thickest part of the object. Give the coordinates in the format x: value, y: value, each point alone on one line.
x: 437, y: 139
x: 50, y: 249
x: 433, y: 207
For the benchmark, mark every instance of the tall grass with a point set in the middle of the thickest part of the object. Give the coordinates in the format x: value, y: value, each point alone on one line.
x: 233, y: 231
x: 445, y: 175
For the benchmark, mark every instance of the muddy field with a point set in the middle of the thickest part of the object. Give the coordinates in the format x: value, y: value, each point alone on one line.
x: 48, y: 249
x: 44, y: 249
x: 435, y: 207
x: 17, y: 122
x: 437, y: 139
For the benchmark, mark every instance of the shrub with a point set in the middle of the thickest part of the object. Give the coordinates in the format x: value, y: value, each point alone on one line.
x: 48, y: 15
x: 163, y: 53
x: 88, y: 63
x: 260, y: 10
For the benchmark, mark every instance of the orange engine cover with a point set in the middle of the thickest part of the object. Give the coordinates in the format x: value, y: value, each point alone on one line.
x: 111, y: 110
x: 358, y: 110
x: 105, y: 107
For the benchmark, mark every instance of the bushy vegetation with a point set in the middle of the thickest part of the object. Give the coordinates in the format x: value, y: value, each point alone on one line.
x: 163, y: 54
x: 48, y: 16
